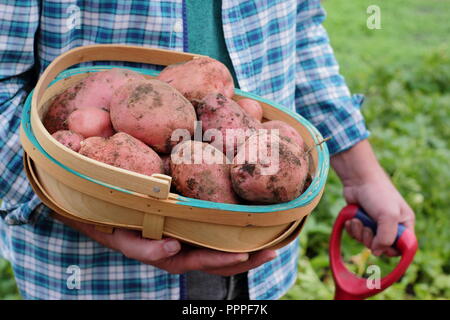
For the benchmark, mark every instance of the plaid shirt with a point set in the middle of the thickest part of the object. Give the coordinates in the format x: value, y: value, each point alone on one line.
x: 279, y: 51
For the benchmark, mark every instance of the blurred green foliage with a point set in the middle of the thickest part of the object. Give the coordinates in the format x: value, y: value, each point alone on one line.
x: 8, y: 289
x: 404, y: 71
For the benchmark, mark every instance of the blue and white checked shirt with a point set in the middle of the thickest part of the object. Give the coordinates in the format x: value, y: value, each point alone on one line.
x: 279, y: 51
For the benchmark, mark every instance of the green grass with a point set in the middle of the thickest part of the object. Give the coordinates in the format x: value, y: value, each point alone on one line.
x: 404, y: 71
x: 8, y: 289
x: 408, y: 32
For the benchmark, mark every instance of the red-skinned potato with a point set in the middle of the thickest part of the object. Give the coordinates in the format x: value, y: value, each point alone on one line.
x: 90, y: 122
x: 94, y: 91
x: 271, y: 179
x: 216, y: 111
x: 123, y: 151
x: 69, y: 138
x: 199, y: 77
x: 285, y: 131
x: 252, y: 107
x: 200, y: 171
x: 150, y: 110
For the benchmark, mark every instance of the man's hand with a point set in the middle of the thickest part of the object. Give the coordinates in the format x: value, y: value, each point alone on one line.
x: 170, y: 255
x: 366, y: 184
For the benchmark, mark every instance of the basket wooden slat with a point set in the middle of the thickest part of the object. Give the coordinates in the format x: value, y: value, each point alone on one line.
x: 84, y: 208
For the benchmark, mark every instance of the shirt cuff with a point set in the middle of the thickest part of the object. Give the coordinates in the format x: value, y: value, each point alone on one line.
x: 346, y: 131
x: 29, y: 212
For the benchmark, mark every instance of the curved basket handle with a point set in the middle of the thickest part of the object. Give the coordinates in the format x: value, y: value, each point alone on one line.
x: 156, y: 186
x: 348, y: 285
x: 106, y: 52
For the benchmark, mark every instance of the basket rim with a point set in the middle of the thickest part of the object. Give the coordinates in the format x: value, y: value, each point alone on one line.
x: 305, y: 198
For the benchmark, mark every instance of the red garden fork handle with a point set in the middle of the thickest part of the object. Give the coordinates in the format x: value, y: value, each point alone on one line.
x: 348, y: 285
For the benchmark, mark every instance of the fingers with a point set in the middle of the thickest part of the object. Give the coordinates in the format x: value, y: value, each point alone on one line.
x: 133, y: 246
x: 364, y: 235
x: 387, y: 221
x: 255, y: 260
x: 408, y: 216
x: 386, y: 232
x: 385, y: 237
x: 408, y: 220
x: 392, y: 252
x: 167, y: 254
x: 201, y: 259
x: 215, y: 262
x: 367, y: 237
x: 356, y: 230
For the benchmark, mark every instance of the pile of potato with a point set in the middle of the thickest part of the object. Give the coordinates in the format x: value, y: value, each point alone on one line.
x: 149, y: 126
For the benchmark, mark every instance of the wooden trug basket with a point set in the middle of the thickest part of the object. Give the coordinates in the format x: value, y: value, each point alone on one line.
x: 93, y: 192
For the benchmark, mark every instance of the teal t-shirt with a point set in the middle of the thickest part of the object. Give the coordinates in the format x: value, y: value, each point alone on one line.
x: 205, y: 36
x: 205, y: 31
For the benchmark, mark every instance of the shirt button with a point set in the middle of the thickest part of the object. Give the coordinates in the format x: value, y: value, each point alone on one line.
x: 178, y: 26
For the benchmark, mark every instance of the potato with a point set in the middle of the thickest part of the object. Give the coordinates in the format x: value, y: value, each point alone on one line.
x: 90, y: 122
x: 199, y: 77
x: 280, y: 179
x: 94, y: 91
x: 150, y: 110
x: 68, y: 138
x: 200, y: 171
x: 286, y: 132
x: 252, y: 107
x: 216, y: 111
x: 123, y: 151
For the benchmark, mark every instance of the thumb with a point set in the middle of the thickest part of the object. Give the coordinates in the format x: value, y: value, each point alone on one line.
x: 386, y: 232
x: 133, y: 246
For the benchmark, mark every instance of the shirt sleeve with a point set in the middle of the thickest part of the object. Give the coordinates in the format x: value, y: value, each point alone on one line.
x: 321, y: 94
x: 18, y: 25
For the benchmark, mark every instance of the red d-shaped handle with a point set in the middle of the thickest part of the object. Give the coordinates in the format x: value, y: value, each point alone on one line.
x: 348, y: 285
